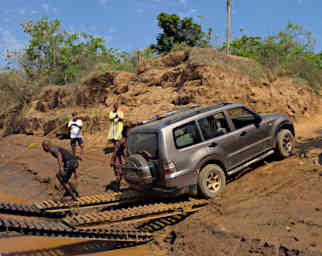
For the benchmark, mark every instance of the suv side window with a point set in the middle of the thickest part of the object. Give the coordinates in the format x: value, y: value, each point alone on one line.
x: 241, y: 117
x: 222, y: 124
x: 186, y: 135
x: 213, y: 126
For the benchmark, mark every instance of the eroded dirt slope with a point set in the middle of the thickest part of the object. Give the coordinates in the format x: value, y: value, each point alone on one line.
x: 201, y: 76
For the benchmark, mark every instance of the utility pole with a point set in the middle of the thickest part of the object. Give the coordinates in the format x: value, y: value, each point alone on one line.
x: 228, y: 28
x: 139, y: 56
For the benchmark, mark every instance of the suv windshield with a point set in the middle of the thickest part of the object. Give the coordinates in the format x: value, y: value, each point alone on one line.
x: 143, y: 143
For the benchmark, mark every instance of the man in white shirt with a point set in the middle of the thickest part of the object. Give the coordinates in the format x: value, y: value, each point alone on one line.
x: 75, y: 129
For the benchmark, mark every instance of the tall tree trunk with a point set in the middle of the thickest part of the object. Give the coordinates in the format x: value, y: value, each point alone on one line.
x: 228, y: 28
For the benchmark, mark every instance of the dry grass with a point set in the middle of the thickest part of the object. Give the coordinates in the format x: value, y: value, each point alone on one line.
x: 244, y: 66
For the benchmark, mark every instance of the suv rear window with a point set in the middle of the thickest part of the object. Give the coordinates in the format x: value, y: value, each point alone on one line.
x: 186, y: 135
x: 146, y: 143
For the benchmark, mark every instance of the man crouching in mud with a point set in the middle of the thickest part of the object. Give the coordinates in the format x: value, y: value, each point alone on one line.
x: 65, y: 171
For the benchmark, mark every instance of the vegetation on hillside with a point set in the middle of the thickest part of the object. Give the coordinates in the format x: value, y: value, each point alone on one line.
x: 289, y: 52
x: 54, y: 56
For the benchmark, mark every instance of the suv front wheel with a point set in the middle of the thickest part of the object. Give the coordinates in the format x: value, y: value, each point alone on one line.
x: 285, y: 143
x: 211, y: 180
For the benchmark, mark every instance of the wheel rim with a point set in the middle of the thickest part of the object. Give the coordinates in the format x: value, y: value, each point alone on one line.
x: 287, y: 143
x: 213, y: 182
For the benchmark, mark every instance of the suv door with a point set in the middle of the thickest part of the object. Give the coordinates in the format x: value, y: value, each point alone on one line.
x: 187, y: 147
x: 219, y: 140
x: 251, y: 134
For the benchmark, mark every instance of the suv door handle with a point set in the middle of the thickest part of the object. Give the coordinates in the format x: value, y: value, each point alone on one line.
x: 243, y: 133
x: 212, y: 145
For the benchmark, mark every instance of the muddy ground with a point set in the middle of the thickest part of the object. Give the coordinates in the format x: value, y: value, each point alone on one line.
x: 274, y: 208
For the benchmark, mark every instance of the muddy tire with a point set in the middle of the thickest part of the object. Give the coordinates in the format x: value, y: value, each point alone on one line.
x: 285, y: 143
x: 137, y: 160
x: 211, y: 180
x: 141, y: 179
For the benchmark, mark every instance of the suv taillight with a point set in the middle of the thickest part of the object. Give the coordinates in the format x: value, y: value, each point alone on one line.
x: 169, y: 167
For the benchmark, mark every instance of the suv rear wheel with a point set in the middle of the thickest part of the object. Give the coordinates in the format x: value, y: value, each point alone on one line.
x: 285, y: 143
x: 211, y: 180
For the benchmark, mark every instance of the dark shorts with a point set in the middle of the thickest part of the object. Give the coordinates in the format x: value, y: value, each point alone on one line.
x: 69, y: 167
x: 74, y: 140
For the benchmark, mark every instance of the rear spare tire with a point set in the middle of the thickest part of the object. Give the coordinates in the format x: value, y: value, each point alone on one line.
x: 137, y: 160
x: 211, y: 180
x: 141, y: 178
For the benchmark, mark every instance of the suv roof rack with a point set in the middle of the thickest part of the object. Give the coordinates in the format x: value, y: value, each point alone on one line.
x: 169, y: 113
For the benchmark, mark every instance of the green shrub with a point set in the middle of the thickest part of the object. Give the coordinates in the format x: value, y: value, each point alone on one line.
x: 15, y: 91
x: 289, y: 52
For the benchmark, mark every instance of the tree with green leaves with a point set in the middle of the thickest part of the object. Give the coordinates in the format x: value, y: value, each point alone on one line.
x: 57, y: 54
x: 288, y: 52
x: 178, y: 31
x: 246, y: 46
x: 288, y: 43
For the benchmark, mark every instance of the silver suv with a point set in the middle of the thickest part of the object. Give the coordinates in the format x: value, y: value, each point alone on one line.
x: 197, y: 149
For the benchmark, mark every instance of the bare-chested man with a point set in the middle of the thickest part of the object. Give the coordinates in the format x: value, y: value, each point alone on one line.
x: 67, y: 165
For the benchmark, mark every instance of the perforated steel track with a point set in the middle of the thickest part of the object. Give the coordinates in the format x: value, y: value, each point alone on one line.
x: 116, y: 219
x: 59, y: 208
x: 28, y: 210
x: 54, y: 229
x: 104, y: 199
x: 136, y: 213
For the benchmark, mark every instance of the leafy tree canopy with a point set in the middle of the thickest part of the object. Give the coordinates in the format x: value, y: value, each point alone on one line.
x: 289, y: 42
x: 178, y: 31
x: 52, y: 50
x: 289, y: 52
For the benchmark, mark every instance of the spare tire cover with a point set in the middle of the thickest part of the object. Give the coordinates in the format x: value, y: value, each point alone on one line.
x: 144, y: 173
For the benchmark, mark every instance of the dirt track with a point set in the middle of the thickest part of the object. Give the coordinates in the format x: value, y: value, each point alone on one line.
x: 278, y: 203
